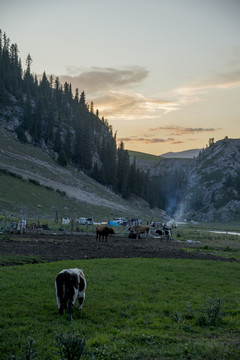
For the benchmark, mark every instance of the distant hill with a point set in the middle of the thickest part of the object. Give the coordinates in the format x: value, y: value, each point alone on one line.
x: 186, y: 154
x: 142, y: 156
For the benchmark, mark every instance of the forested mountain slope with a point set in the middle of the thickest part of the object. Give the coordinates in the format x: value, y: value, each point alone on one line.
x: 33, y: 184
x: 57, y: 119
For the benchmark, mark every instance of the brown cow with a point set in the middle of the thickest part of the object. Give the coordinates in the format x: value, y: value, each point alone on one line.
x: 103, y: 231
x: 140, y: 230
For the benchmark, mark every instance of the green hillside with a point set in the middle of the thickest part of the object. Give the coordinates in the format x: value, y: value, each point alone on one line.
x: 142, y: 156
x: 33, y: 184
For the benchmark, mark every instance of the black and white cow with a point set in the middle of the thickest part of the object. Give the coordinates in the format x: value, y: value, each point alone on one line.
x: 70, y: 285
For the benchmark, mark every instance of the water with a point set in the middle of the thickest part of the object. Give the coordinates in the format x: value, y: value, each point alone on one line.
x: 224, y: 232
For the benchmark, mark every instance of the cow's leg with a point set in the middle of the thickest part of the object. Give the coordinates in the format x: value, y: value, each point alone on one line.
x: 80, y: 302
x: 61, y: 309
x: 70, y: 306
x: 72, y: 302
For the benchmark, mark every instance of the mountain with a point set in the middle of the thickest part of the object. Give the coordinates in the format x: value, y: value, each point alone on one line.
x: 204, y: 188
x: 212, y: 190
x: 57, y: 153
x: 187, y: 154
x: 44, y: 113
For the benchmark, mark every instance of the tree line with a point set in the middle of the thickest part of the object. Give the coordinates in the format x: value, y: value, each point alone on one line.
x: 55, y: 118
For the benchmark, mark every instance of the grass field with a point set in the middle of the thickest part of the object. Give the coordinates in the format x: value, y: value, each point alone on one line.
x: 134, y: 309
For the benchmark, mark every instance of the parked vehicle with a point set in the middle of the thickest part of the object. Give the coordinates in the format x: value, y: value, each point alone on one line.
x: 85, y: 221
x: 120, y: 221
x: 81, y: 221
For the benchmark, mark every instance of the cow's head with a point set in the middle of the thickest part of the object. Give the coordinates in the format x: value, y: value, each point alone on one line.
x: 111, y: 231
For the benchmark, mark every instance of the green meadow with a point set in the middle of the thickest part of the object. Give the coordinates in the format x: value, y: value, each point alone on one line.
x: 134, y: 309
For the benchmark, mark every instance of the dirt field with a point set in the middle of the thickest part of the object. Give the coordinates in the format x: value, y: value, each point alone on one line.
x: 60, y: 247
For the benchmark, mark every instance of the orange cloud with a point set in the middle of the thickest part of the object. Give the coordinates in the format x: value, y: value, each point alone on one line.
x: 178, y: 130
x: 132, y: 106
x: 145, y: 140
x: 109, y: 88
x: 196, y: 91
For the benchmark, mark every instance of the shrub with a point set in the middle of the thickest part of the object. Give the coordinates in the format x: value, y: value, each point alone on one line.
x: 70, y: 346
x: 211, y: 312
x: 30, y: 352
x: 188, y: 311
x: 35, y: 182
x: 62, y: 158
x: 21, y: 134
x: 63, y: 193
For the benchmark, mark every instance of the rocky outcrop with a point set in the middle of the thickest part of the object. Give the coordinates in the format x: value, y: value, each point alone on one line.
x: 213, y: 184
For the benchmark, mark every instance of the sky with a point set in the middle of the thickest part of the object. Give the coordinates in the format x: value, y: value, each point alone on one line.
x: 164, y: 73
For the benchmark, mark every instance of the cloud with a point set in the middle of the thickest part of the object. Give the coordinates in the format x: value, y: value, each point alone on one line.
x: 110, y: 90
x: 196, y: 91
x: 150, y: 137
x: 145, y: 140
x: 132, y: 106
x: 178, y: 130
x: 99, y: 80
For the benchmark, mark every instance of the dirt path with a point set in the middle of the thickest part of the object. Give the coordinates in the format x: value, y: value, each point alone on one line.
x: 56, y: 247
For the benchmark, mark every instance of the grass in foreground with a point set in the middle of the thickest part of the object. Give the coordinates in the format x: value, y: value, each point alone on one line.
x: 134, y: 309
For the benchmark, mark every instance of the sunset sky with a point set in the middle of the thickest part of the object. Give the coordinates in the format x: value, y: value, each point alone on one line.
x: 165, y: 73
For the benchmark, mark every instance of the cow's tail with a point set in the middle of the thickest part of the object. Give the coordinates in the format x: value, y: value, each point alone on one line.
x: 62, y: 287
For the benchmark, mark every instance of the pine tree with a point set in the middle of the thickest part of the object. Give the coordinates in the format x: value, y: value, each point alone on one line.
x: 123, y: 171
x: 37, y: 122
x: 28, y: 116
x: 62, y: 158
x: 76, y: 98
x: 57, y: 141
x: 68, y: 144
x: 82, y: 101
x: 28, y: 78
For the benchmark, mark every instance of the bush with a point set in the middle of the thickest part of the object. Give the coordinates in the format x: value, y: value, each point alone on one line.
x: 21, y: 135
x: 62, y: 158
x: 70, y: 346
x: 211, y: 312
x: 30, y: 352
x: 35, y: 182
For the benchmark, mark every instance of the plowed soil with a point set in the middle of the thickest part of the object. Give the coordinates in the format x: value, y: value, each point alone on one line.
x: 60, y: 247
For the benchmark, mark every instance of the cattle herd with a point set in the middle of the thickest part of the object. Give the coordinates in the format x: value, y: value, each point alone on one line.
x: 134, y: 232
x: 71, y: 284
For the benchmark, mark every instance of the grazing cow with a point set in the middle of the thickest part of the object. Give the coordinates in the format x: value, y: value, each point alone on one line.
x: 164, y: 233
x: 140, y: 230
x: 103, y: 232
x: 132, y: 235
x: 70, y: 285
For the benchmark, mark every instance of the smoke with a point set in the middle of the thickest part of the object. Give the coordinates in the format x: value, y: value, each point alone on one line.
x: 180, y: 213
x: 171, y: 205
